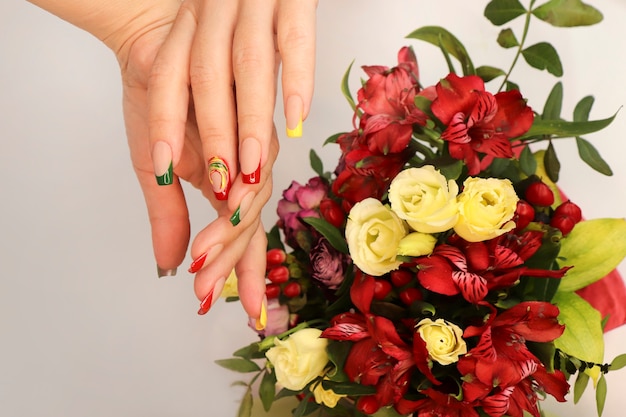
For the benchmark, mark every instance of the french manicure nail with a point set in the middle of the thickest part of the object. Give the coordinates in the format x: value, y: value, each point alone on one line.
x: 206, y: 258
x: 207, y: 302
x: 162, y: 161
x: 165, y: 272
x: 250, y: 161
x: 261, y: 322
x: 293, y: 114
x: 243, y: 208
x: 219, y: 177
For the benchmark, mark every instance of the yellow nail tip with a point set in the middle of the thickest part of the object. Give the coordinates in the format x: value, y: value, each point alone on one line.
x: 295, y: 132
x: 261, y: 322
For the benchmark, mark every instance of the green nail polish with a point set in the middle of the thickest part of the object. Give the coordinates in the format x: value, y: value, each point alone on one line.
x: 235, y: 219
x: 168, y: 177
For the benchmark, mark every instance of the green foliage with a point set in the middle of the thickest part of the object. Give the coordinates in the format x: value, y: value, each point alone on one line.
x: 316, y: 163
x: 488, y: 73
x: 267, y: 390
x: 345, y: 87
x: 554, y: 103
x: 582, y: 380
x: 543, y: 56
x: 507, y: 39
x: 442, y: 38
x: 500, y: 12
x: 568, y: 13
x: 330, y: 232
x: 601, y: 391
x: 238, y: 365
x: 618, y: 363
x: 245, y: 407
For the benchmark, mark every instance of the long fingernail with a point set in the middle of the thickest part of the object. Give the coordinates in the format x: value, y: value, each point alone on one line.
x: 207, y: 302
x: 243, y: 208
x: 293, y: 114
x: 250, y: 161
x: 261, y: 322
x: 219, y: 177
x: 206, y: 258
x: 165, y: 272
x: 162, y: 161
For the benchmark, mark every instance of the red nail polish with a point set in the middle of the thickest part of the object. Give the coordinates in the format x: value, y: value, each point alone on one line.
x: 205, y: 305
x: 197, y: 264
x: 252, y: 178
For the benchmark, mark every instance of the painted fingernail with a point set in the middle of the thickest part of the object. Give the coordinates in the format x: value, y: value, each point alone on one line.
x: 162, y: 161
x: 293, y: 114
x: 207, y: 302
x: 219, y: 177
x: 206, y: 258
x: 261, y: 322
x: 243, y: 208
x: 165, y: 272
x: 250, y: 161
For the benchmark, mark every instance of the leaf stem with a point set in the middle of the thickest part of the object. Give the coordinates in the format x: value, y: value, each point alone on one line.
x: 521, y: 44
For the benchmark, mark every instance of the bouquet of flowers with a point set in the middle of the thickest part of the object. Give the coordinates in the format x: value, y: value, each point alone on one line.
x: 435, y: 270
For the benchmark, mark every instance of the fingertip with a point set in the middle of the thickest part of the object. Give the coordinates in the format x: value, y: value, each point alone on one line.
x: 294, y: 110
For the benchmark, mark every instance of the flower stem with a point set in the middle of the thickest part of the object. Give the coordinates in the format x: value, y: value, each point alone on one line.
x: 520, y: 48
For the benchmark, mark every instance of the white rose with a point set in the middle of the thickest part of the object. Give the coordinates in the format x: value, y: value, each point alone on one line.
x: 325, y: 396
x: 444, y: 341
x: 373, y: 233
x: 486, y: 207
x: 417, y: 244
x: 425, y: 199
x: 299, y: 359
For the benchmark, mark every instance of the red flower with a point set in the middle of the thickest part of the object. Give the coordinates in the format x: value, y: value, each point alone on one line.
x: 477, y: 121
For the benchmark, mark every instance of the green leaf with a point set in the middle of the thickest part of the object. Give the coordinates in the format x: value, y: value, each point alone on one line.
x: 488, y: 73
x: 440, y: 37
x: 591, y: 156
x: 543, y: 56
x: 500, y: 12
x: 583, y: 337
x: 510, y: 85
x: 506, y: 39
x: 333, y: 139
x: 583, y: 108
x: 551, y: 163
x: 618, y: 363
x: 601, y: 390
x: 527, y: 161
x: 267, y: 390
x: 595, y: 247
x: 247, y: 352
x: 554, y: 103
x: 568, y: 13
x: 337, y: 355
x: 348, y: 388
x: 238, y: 365
x: 565, y: 129
x: 582, y: 380
x: 345, y: 87
x: 330, y: 232
x: 245, y: 408
x: 273, y: 238
x: 316, y: 163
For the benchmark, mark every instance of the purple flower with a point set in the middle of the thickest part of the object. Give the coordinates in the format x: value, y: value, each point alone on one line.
x: 300, y: 201
x: 328, y: 265
x: 278, y: 319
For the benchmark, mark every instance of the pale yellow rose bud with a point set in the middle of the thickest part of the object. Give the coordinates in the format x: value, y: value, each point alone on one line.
x: 425, y: 199
x: 299, y: 359
x: 486, y: 207
x: 373, y: 233
x: 323, y: 396
x: 444, y: 341
x: 417, y: 244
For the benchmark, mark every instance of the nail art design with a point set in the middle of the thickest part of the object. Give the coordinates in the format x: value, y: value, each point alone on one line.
x: 165, y: 272
x: 167, y: 178
x: 163, y: 165
x: 250, y: 161
x: 206, y: 304
x: 235, y: 219
x: 261, y: 322
x: 295, y: 132
x: 243, y: 208
x: 219, y: 177
x: 293, y: 113
x: 252, y: 178
x: 197, y: 263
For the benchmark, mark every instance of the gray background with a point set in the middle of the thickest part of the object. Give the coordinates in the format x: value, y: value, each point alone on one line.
x: 86, y: 329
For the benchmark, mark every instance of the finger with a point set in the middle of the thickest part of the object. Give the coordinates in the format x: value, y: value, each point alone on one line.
x: 254, y: 69
x: 168, y: 97
x: 296, y: 44
x: 251, y: 278
x: 212, y: 87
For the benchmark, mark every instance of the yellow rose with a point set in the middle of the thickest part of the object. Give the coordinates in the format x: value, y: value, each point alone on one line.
x: 417, y: 244
x: 444, y: 340
x: 425, y: 199
x: 230, y: 286
x: 486, y: 207
x: 323, y: 396
x: 299, y: 359
x: 373, y: 233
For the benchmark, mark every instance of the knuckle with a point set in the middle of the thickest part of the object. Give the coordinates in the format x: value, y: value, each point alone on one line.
x: 202, y: 75
x: 294, y: 37
x: 247, y: 59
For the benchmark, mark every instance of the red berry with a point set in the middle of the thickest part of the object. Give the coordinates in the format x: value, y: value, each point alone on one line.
x: 367, y: 405
x: 381, y: 289
x: 401, y: 277
x: 275, y: 257
x: 569, y: 209
x: 539, y: 194
x: 410, y: 295
x: 332, y: 212
x: 564, y: 223
x: 278, y: 275
x: 292, y: 290
x: 272, y: 291
x: 524, y: 214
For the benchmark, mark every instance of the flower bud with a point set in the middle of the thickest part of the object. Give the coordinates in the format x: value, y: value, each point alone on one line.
x: 381, y: 289
x: 367, y: 404
x: 275, y: 257
x: 564, y: 223
x: 401, y: 277
x: 272, y: 291
x: 278, y: 275
x: 410, y: 295
x: 292, y: 290
x: 524, y: 214
x: 569, y: 209
x: 332, y: 212
x: 539, y: 194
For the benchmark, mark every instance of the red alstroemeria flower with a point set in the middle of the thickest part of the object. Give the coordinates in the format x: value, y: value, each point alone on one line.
x: 477, y: 121
x: 438, y: 404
